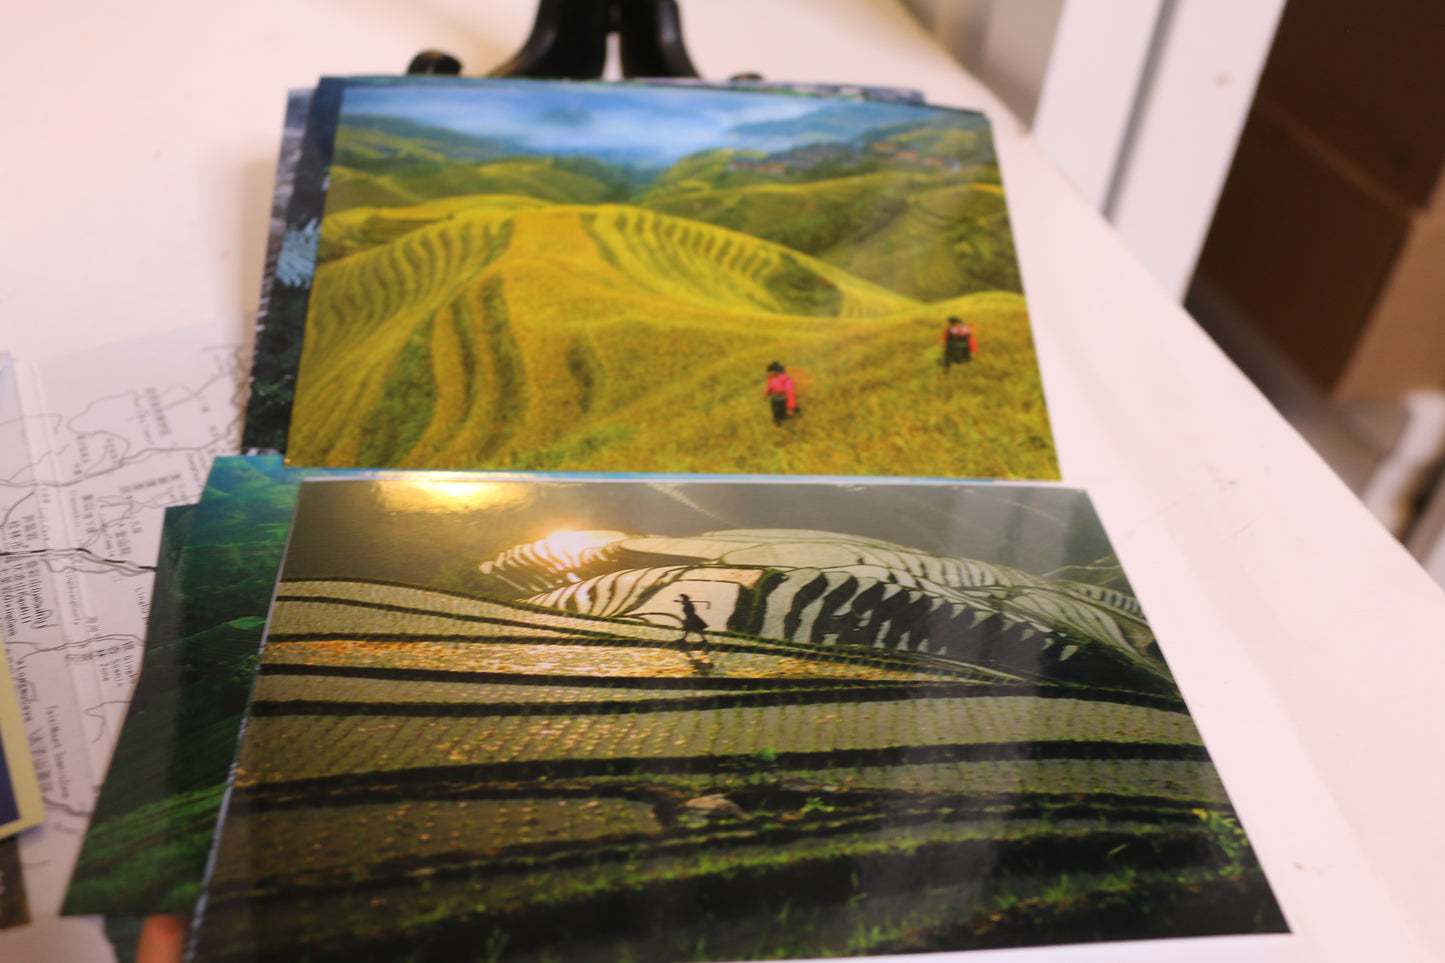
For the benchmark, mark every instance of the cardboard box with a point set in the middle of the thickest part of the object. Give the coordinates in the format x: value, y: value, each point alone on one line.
x: 1368, y: 80
x: 1330, y: 231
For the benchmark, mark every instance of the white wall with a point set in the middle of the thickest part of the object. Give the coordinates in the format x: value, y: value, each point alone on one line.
x: 1191, y: 109
x: 1006, y: 45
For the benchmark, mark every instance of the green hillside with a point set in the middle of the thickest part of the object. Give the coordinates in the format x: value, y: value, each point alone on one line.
x: 366, y: 149
x: 953, y: 238
x: 380, y: 143
x: 613, y: 338
x: 926, y: 235
x: 973, y: 146
x: 359, y: 228
x: 351, y: 188
x: 540, y: 178
x: 703, y: 170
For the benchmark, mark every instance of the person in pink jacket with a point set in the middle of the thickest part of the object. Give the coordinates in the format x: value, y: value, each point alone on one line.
x: 959, y: 343
x: 781, y: 392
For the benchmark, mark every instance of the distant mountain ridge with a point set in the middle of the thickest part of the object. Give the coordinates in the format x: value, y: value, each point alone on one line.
x: 915, y: 207
x: 378, y: 143
x: 366, y: 141
x: 855, y: 121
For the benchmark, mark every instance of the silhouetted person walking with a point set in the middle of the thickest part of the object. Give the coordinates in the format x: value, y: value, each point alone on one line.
x: 692, y: 623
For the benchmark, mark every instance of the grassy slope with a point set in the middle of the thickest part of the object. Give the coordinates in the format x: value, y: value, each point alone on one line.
x: 610, y: 338
x: 526, y: 177
x: 151, y: 859
x: 927, y: 235
x: 359, y: 228
x: 951, y: 238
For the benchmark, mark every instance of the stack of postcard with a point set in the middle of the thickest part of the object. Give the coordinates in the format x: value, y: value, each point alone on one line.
x: 602, y: 583
x: 20, y: 802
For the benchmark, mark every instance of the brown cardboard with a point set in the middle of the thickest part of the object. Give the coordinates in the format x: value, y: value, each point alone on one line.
x: 1368, y: 79
x: 1330, y: 232
x: 1302, y: 244
x: 1403, y: 344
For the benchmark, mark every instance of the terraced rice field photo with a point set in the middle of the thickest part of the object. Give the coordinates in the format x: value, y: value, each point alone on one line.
x: 514, y: 275
x: 700, y: 721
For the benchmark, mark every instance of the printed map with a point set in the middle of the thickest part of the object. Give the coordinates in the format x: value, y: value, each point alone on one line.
x: 93, y: 447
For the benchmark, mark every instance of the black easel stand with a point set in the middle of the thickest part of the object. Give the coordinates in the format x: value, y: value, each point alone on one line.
x: 569, y: 39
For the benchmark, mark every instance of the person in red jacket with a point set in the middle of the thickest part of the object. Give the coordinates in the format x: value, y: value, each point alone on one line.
x: 781, y: 392
x: 958, y: 343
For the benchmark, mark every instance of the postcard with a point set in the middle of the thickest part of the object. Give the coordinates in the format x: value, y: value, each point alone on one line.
x: 298, y: 205
x: 624, y: 278
x: 145, y: 851
x: 137, y: 764
x: 593, y: 719
x: 20, y: 803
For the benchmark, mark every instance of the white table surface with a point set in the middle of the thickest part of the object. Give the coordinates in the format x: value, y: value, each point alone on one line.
x: 138, y: 148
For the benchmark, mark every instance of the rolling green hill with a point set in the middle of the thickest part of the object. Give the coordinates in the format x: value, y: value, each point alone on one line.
x: 703, y: 170
x: 953, y: 238
x: 355, y: 188
x: 356, y: 229
x: 926, y: 235
x: 541, y: 178
x: 380, y: 143
x: 511, y: 335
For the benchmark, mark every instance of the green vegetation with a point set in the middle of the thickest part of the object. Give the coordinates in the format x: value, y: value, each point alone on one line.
x: 927, y: 235
x: 379, y: 142
x: 541, y: 178
x: 149, y: 859
x: 149, y: 836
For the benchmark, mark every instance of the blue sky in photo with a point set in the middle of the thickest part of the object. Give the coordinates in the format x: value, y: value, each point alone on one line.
x: 647, y: 125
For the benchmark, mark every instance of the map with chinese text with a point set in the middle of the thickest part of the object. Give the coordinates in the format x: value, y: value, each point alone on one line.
x: 93, y: 447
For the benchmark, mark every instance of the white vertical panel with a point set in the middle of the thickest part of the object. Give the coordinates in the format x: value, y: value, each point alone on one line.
x: 1208, y: 66
x: 1100, y: 54
x: 961, y: 25
x: 1427, y: 537
x: 958, y: 24
x: 1014, y: 56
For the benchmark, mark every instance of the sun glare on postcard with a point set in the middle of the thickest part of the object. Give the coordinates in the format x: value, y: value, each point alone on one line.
x: 442, y: 495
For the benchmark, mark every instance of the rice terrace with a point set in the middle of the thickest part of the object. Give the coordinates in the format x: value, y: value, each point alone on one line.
x: 492, y: 294
x: 866, y: 748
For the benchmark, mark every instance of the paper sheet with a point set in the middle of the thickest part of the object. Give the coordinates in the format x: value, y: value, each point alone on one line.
x: 93, y: 447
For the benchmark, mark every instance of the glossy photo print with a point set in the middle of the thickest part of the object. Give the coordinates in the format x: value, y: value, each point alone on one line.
x: 613, y: 720
x: 21, y: 805
x: 146, y: 847
x: 299, y: 200
x: 593, y: 277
